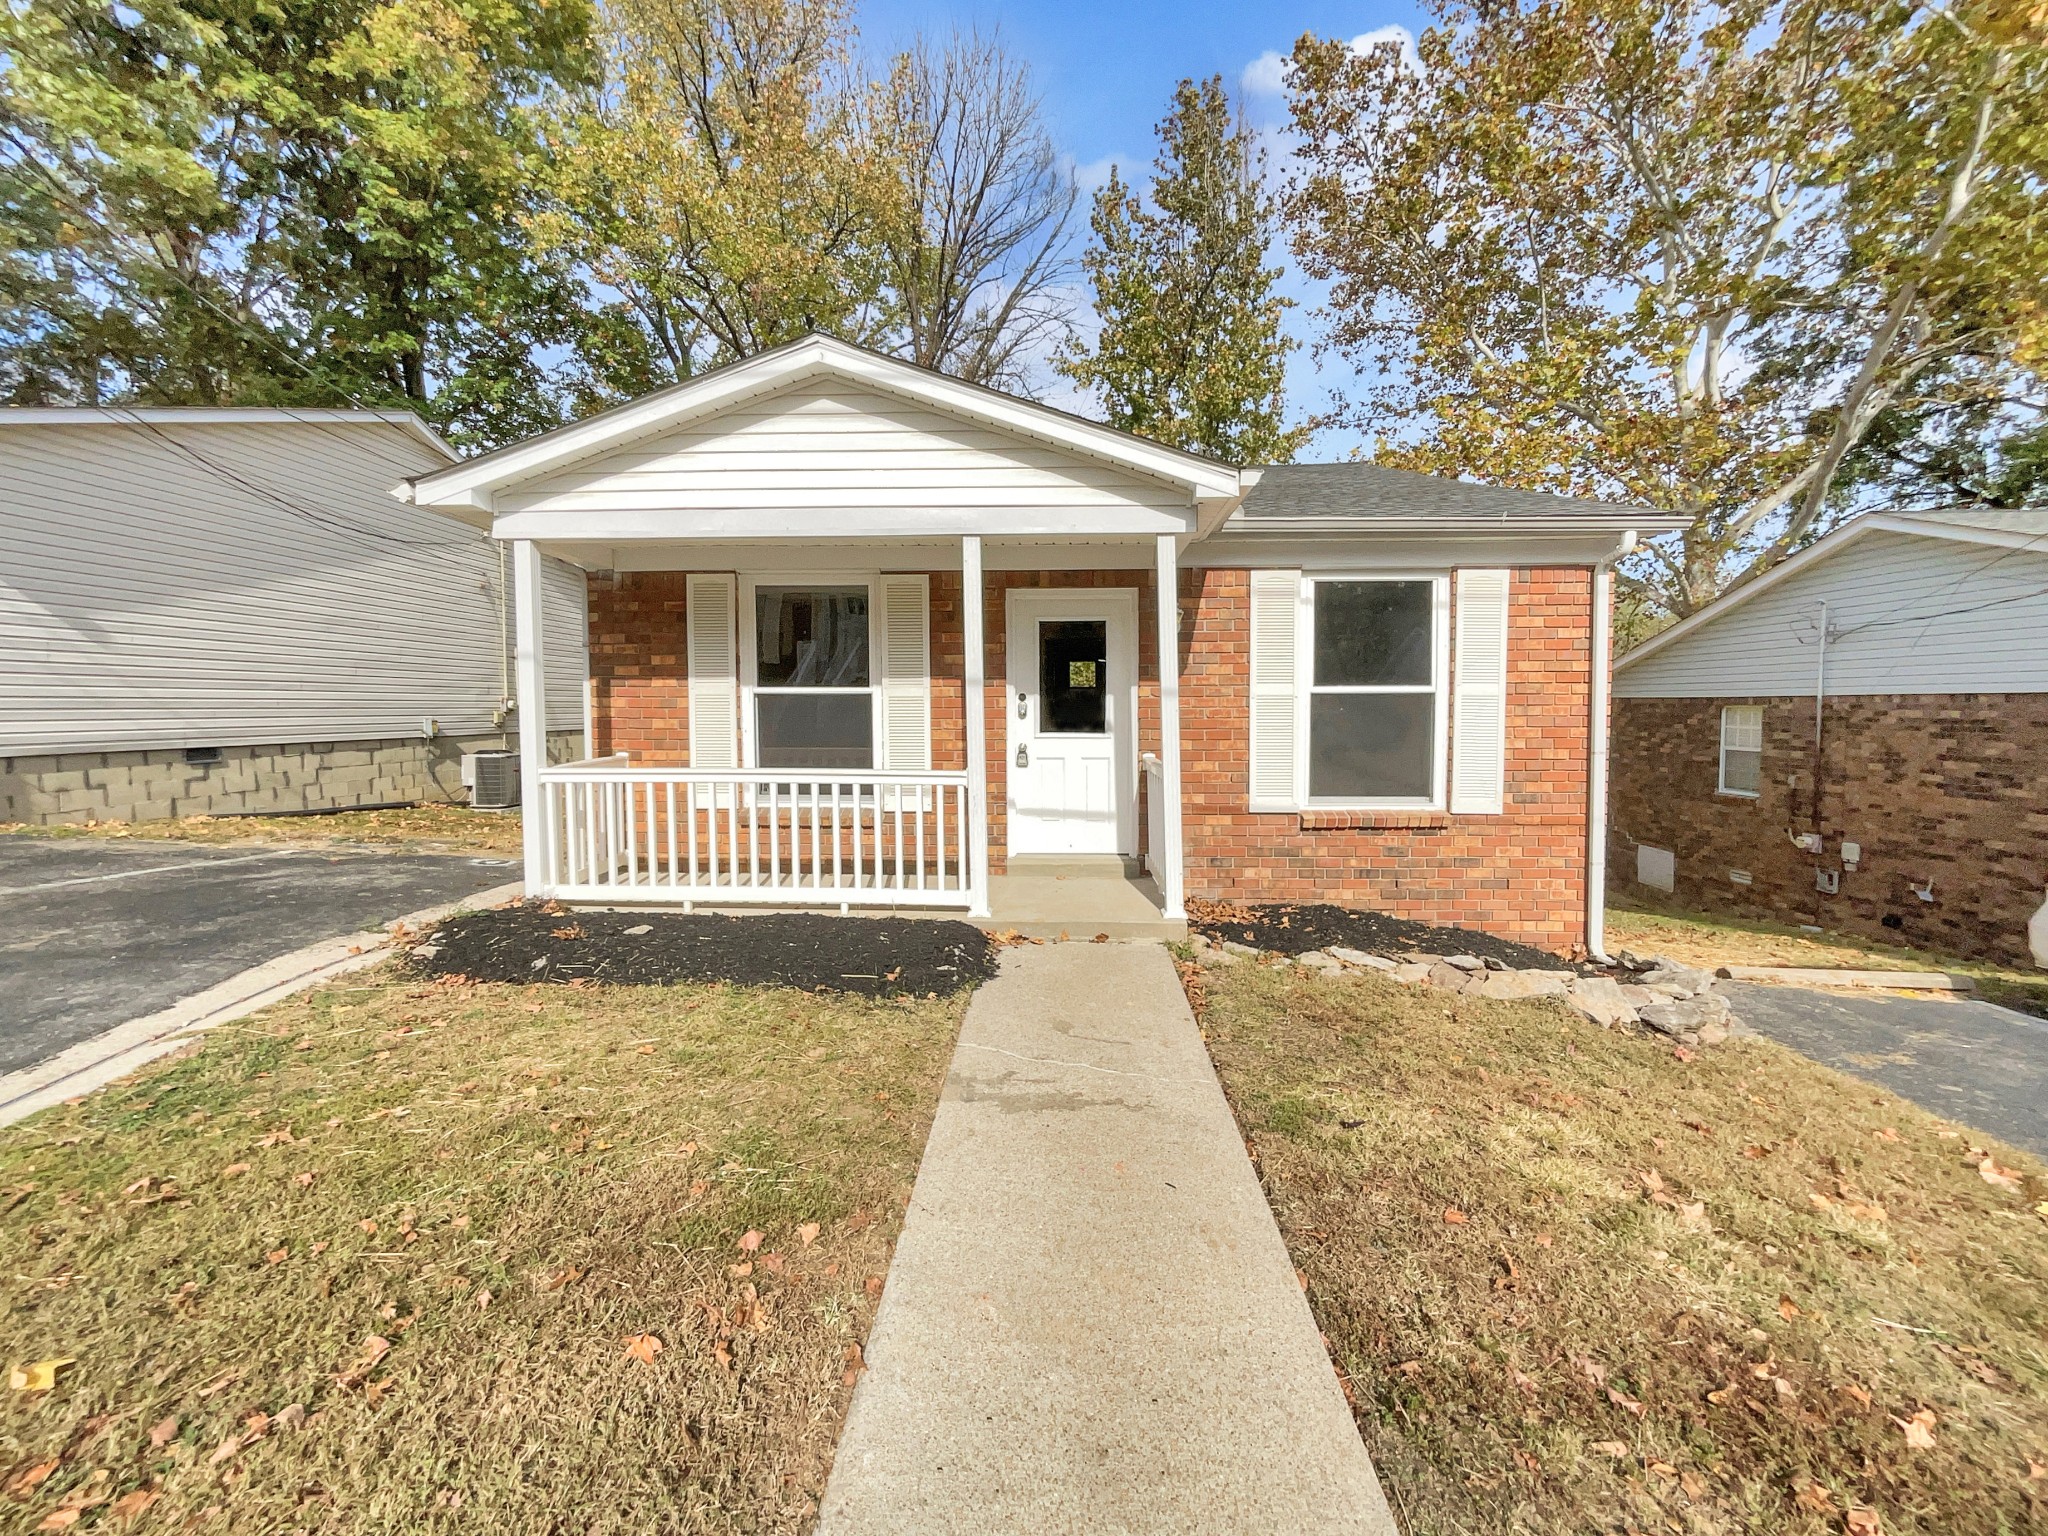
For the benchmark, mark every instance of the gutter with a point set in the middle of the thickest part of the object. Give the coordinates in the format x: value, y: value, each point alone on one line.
x: 1601, y: 693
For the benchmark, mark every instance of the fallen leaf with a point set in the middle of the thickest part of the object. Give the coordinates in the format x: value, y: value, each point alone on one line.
x: 483, y: 1299
x: 31, y: 1477
x: 290, y: 1416
x: 772, y: 1262
x: 1721, y: 1395
x: 1997, y: 1177
x: 807, y: 1233
x: 368, y: 1226
x: 234, y: 1170
x: 1592, y: 1370
x: 374, y: 1349
x: 740, y: 1271
x: 561, y: 1277
x: 1693, y: 1213
x: 129, y: 1505
x: 1609, y: 1448
x: 750, y: 1240
x: 59, y: 1520
x: 303, y: 1180
x: 41, y: 1376
x: 1854, y: 1393
x: 277, y: 1255
x: 1918, y: 1430
x: 1787, y: 1308
x: 1663, y: 1469
x: 1623, y: 1401
x: 1681, y: 1053
x: 1886, y: 1133
x: 1810, y: 1493
x: 856, y: 1362
x: 1861, y: 1520
x: 1694, y: 1485
x: 872, y: 1285
x: 1453, y: 1217
x: 225, y: 1450
x: 642, y: 1347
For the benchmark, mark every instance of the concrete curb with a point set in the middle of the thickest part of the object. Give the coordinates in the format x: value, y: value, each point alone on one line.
x: 92, y: 1064
x: 1888, y: 981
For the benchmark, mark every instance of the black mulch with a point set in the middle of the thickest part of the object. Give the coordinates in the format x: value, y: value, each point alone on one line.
x: 1293, y: 929
x: 873, y: 956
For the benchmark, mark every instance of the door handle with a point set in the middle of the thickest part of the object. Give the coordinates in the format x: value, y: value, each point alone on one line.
x: 1023, y: 757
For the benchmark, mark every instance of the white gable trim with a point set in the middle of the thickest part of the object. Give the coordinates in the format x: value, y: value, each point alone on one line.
x: 473, y: 484
x: 1833, y: 544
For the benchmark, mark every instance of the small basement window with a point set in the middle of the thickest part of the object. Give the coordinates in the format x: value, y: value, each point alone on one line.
x: 1742, y: 750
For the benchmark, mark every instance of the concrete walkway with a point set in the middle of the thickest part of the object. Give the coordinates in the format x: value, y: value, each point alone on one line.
x: 1091, y: 1324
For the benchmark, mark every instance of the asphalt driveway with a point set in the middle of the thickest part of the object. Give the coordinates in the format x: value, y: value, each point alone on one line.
x: 93, y: 934
x: 1970, y: 1061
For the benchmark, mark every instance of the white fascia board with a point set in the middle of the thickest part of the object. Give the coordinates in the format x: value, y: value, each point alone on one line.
x: 833, y: 525
x: 814, y: 357
x: 1413, y: 550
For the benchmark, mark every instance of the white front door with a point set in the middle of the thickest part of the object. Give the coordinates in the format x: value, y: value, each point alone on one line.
x: 1071, y: 703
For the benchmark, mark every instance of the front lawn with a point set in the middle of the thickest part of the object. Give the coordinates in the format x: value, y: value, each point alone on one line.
x: 1693, y: 938
x: 1579, y: 1284
x: 432, y: 1256
x: 420, y: 828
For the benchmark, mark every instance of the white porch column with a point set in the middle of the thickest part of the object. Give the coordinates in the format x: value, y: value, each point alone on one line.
x: 533, y: 710
x: 974, y: 699
x: 1171, y: 886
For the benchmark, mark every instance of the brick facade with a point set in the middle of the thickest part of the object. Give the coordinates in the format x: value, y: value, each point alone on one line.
x: 1949, y: 788
x: 1520, y: 874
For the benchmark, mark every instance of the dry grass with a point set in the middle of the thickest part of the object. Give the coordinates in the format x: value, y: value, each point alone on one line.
x: 1696, y: 939
x: 431, y: 828
x: 1579, y: 1285
x: 506, y: 1185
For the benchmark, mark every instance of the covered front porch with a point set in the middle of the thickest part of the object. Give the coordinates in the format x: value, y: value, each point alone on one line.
x: 985, y: 726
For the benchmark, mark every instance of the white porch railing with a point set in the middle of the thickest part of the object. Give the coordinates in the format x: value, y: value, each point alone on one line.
x: 1155, y: 811
x: 614, y: 831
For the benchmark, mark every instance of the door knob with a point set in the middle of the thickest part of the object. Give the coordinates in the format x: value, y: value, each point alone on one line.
x: 1023, y: 757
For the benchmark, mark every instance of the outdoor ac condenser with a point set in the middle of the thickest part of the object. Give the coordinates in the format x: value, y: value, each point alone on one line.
x: 496, y: 781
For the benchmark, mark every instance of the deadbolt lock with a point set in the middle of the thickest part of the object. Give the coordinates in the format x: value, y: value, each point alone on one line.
x: 1023, y: 757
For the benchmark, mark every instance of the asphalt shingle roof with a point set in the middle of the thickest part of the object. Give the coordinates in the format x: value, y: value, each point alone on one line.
x: 1367, y: 492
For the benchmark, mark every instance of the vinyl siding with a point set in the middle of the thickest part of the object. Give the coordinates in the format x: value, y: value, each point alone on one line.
x: 836, y: 447
x: 274, y: 593
x: 1909, y: 615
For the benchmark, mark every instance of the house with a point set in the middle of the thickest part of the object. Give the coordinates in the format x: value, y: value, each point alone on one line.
x: 1857, y: 740
x: 217, y: 611
x: 865, y: 635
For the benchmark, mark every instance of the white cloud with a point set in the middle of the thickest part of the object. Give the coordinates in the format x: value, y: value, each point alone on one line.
x: 1095, y: 173
x: 1264, y: 76
x: 1400, y: 36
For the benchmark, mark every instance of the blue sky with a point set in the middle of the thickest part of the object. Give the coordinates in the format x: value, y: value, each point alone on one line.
x: 1106, y: 71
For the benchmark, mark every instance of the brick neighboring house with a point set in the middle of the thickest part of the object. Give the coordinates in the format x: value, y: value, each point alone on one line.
x: 1858, y: 740
x: 864, y: 635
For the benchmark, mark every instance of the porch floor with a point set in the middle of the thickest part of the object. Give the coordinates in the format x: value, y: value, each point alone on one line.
x: 1044, y: 898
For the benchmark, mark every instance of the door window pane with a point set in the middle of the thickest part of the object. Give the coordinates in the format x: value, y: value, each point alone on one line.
x: 1371, y: 746
x: 1073, y: 676
x: 811, y: 637
x: 815, y: 730
x: 1372, y: 633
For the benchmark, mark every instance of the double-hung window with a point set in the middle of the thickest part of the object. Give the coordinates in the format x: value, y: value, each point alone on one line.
x: 813, y: 682
x: 1742, y: 750
x: 1374, y: 703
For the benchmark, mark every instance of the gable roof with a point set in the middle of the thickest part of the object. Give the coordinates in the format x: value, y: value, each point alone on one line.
x: 473, y: 482
x: 220, y: 415
x: 2011, y: 528
x: 1336, y: 497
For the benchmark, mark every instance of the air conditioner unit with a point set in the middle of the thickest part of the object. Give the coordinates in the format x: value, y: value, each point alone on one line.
x: 495, y: 780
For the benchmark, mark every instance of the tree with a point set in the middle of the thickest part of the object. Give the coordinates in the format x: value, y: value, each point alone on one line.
x: 722, y: 187
x: 975, y: 272
x: 238, y: 201
x: 1680, y: 252
x: 1191, y: 350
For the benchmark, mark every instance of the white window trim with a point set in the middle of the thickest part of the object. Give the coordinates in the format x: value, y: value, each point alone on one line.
x: 1721, y: 786
x: 1439, y: 690
x: 750, y: 656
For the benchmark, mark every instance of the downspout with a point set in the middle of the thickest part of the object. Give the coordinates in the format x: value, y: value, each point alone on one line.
x: 1820, y: 694
x: 1596, y: 791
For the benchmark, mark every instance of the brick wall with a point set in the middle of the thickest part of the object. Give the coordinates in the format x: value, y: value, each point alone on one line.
x: 1521, y: 874
x: 1951, y: 788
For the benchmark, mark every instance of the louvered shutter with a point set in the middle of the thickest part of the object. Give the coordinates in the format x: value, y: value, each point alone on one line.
x: 906, y: 674
x: 1479, y: 694
x: 711, y: 604
x: 1275, y: 710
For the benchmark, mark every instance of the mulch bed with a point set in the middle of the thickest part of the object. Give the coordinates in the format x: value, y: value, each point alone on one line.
x: 1292, y: 929
x: 871, y: 956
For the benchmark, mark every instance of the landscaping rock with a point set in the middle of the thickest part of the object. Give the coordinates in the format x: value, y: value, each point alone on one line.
x: 1316, y: 960
x: 1360, y: 959
x: 1603, y: 1000
x: 1679, y: 980
x: 1465, y: 962
x: 1409, y: 973
x: 1511, y: 986
x: 1686, y: 1017
x: 1448, y: 976
x: 1493, y: 964
x: 1242, y: 951
x: 1213, y: 957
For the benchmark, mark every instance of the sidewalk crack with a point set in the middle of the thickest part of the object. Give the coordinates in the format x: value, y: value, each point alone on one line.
x: 1080, y: 1066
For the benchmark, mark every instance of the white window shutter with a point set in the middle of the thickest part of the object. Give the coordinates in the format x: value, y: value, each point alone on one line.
x: 1275, y: 669
x: 906, y: 674
x: 1479, y: 694
x: 711, y: 604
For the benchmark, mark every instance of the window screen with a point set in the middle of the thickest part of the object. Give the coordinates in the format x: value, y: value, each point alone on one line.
x: 1742, y: 749
x: 813, y: 693
x: 1372, y: 710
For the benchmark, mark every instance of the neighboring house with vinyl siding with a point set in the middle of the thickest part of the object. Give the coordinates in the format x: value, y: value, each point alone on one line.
x: 864, y: 635
x: 1858, y: 740
x: 207, y: 611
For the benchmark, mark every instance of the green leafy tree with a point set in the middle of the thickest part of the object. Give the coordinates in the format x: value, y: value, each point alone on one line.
x: 722, y: 188
x: 237, y: 201
x: 1190, y: 349
x: 1685, y: 253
